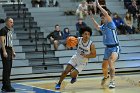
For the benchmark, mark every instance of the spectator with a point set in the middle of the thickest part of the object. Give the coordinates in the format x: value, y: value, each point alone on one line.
x: 38, y: 3
x: 119, y: 23
x: 138, y: 15
x: 82, y: 10
x: 128, y: 20
x: 56, y: 37
x: 127, y: 3
x: 80, y: 24
x: 52, y: 3
x: 66, y: 33
x: 138, y: 21
x: 133, y: 9
x: 92, y: 5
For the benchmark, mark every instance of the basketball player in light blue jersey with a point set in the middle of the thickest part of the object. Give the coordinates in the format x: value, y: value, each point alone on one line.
x: 110, y: 40
x: 79, y: 60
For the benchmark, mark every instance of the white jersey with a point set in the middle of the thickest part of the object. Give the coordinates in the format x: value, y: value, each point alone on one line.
x: 78, y: 61
x: 83, y: 48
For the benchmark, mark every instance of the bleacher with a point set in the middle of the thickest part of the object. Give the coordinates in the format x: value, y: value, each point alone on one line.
x: 31, y: 61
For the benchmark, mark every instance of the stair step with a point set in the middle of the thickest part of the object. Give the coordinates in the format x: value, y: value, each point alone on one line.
x: 39, y: 55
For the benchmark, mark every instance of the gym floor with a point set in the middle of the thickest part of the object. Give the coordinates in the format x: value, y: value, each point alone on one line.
x: 125, y: 83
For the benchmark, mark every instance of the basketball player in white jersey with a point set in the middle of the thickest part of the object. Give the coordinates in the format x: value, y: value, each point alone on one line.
x: 85, y: 50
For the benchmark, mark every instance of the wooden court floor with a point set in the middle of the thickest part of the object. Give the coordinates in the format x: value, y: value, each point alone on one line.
x: 85, y: 84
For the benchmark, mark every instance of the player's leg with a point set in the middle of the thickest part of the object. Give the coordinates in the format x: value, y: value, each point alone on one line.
x: 65, y: 72
x: 73, y: 74
x: 63, y: 75
x: 112, y: 59
x: 105, y: 67
x: 114, y: 53
x: 105, y: 72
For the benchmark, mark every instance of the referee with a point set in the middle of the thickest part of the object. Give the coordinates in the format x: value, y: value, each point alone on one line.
x: 7, y: 54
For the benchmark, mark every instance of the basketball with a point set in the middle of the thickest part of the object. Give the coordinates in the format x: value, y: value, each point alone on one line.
x: 71, y: 42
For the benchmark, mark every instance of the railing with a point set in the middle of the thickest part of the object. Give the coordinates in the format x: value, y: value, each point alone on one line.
x: 36, y: 40
x: 19, y: 6
x: 24, y: 17
x: 30, y: 29
x: 44, y: 50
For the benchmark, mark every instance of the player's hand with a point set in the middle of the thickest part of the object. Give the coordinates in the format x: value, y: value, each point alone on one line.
x: 51, y: 38
x: 82, y: 54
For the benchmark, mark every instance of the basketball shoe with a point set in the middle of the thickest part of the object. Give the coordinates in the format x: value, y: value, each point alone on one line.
x: 103, y: 82
x: 111, y: 84
x: 57, y: 87
x: 73, y: 80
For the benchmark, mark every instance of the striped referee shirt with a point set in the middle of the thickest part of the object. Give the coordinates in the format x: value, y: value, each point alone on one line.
x: 8, y: 33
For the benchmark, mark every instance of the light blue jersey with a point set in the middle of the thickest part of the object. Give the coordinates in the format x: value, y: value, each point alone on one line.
x: 109, y: 33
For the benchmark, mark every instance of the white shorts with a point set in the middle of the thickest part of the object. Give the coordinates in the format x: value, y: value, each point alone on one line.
x: 77, y: 63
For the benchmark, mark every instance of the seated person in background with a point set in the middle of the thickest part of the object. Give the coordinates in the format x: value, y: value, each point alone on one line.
x: 128, y: 20
x: 133, y: 9
x: 138, y: 21
x: 38, y: 3
x: 66, y: 33
x: 119, y: 23
x: 56, y: 37
x: 82, y: 10
x: 52, y: 3
x: 127, y: 3
x: 80, y: 24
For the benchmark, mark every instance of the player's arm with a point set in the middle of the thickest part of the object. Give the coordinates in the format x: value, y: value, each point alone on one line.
x: 2, y: 39
x: 92, y: 54
x: 96, y: 25
x: 107, y: 16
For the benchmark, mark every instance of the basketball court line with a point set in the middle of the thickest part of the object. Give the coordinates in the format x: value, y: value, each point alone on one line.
x: 23, y: 88
x: 84, y: 84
